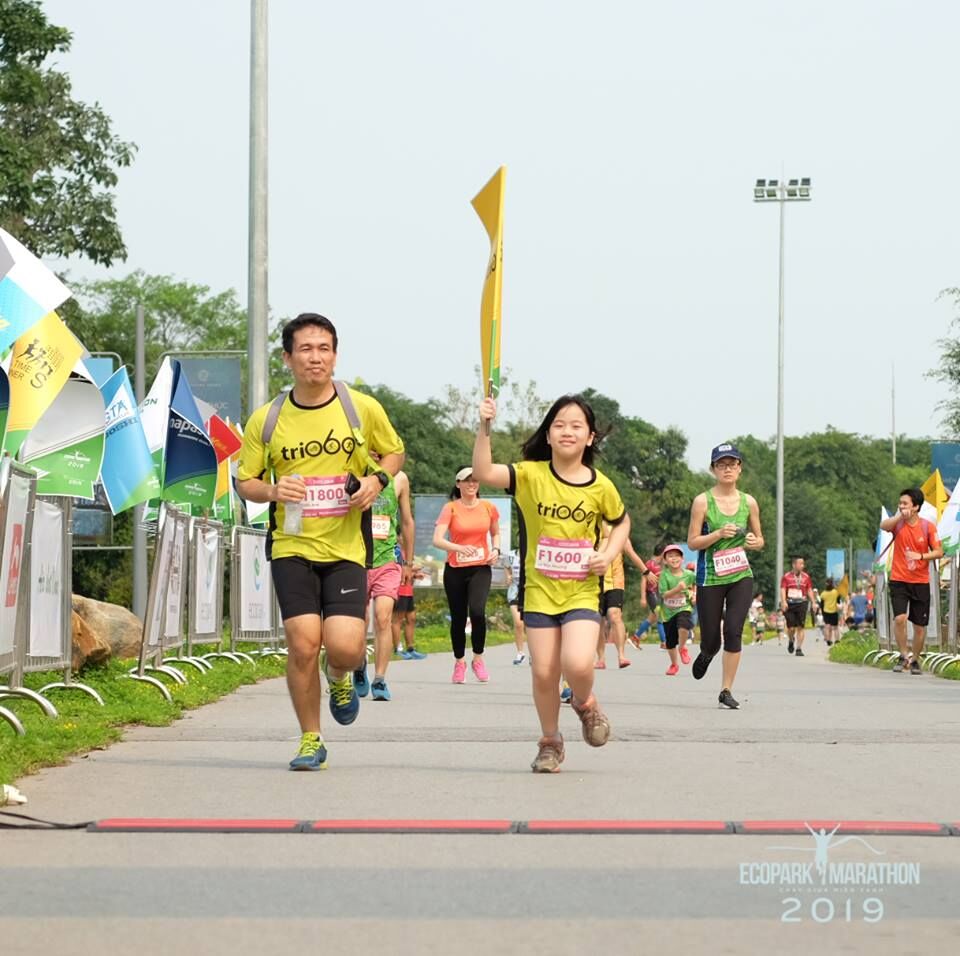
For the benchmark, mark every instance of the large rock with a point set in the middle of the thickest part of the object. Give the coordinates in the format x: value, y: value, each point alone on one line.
x: 88, y: 647
x: 120, y: 629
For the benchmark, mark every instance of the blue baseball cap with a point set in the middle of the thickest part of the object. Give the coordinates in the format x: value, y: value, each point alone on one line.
x: 726, y: 450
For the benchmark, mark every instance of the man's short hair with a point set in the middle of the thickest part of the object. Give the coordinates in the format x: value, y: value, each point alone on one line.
x: 914, y: 494
x: 302, y: 321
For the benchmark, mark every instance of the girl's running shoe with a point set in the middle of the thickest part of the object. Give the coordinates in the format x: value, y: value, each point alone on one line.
x: 459, y: 671
x: 672, y: 669
x: 479, y: 670
x: 549, y: 756
x: 684, y: 656
x: 593, y: 721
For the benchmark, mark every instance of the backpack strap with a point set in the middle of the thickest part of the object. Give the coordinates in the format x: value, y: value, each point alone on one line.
x: 270, y: 421
x: 353, y: 419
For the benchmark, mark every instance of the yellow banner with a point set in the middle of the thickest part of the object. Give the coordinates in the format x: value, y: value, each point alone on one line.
x: 41, y: 364
x: 935, y: 493
x: 488, y: 204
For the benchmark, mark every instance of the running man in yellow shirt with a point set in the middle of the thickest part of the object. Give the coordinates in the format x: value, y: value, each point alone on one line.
x: 314, y: 459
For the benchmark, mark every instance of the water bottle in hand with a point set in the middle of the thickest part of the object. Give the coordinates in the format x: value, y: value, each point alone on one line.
x: 293, y: 516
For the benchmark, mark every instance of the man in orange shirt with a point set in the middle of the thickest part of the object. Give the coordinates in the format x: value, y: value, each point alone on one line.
x: 915, y: 545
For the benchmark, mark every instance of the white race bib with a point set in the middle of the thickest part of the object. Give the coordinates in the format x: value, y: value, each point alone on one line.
x: 381, y: 527
x: 563, y: 558
x: 794, y: 594
x: 730, y: 561
x: 678, y: 600
x: 473, y: 556
x: 326, y: 496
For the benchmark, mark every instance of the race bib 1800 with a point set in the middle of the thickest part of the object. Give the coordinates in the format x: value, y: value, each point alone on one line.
x: 730, y: 561
x: 473, y: 556
x: 563, y: 558
x: 326, y: 496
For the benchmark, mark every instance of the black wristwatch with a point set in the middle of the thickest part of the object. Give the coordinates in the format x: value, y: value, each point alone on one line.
x: 382, y: 477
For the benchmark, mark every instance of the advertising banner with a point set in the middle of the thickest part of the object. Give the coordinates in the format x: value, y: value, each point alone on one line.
x: 945, y: 457
x: 173, y: 615
x: 4, y: 404
x: 256, y: 585
x: 217, y: 382
x: 46, y: 567
x: 836, y: 564
x: 128, y: 472
x: 190, y: 461
x: 160, y: 573
x: 206, y: 544
x: 65, y: 447
x: 39, y: 368
x: 14, y: 544
x: 28, y: 290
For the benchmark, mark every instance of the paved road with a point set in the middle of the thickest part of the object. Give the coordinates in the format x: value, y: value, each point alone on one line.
x: 812, y: 740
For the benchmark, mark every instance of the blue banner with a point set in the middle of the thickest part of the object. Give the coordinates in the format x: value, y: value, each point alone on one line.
x: 190, y: 461
x: 100, y: 369
x: 946, y: 457
x: 217, y: 382
x: 836, y: 562
x: 128, y: 473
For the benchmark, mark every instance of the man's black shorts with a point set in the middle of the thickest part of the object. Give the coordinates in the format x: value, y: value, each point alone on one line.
x: 796, y: 615
x: 611, y: 598
x: 912, y: 600
x: 312, y: 587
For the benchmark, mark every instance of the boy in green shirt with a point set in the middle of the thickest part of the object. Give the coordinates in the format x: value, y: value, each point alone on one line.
x: 678, y: 588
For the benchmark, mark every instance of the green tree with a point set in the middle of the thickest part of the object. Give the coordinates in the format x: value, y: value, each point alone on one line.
x: 948, y: 371
x: 177, y: 316
x: 58, y: 157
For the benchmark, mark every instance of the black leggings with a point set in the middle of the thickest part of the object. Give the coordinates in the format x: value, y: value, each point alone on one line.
x: 712, y: 613
x: 467, y: 591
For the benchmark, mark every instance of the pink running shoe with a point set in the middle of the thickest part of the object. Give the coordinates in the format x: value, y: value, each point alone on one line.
x: 684, y: 655
x: 479, y: 670
x: 459, y: 671
x: 672, y: 669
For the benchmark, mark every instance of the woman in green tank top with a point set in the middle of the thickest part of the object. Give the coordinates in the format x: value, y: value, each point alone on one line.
x: 724, y: 525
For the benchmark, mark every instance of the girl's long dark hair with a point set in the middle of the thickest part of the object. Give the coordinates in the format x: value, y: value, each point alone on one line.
x: 536, y: 447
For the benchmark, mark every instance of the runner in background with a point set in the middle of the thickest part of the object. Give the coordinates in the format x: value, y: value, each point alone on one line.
x: 796, y: 596
x: 650, y: 598
x: 562, y: 501
x: 390, y: 512
x: 513, y: 602
x: 678, y: 590
x: 405, y: 620
x: 724, y: 524
x: 758, y: 618
x: 611, y: 609
x: 829, y: 598
x: 915, y: 545
x: 468, y: 529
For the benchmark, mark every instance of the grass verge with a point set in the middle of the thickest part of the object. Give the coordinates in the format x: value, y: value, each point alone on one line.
x: 83, y: 725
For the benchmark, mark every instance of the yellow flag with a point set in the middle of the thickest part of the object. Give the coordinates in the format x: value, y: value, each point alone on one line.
x: 843, y: 588
x: 489, y: 206
x: 935, y: 493
x: 41, y: 364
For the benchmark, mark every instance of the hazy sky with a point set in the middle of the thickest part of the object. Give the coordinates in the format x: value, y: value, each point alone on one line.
x: 635, y: 259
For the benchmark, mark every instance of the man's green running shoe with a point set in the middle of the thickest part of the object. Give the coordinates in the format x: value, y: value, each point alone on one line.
x: 344, y: 703
x: 312, y: 754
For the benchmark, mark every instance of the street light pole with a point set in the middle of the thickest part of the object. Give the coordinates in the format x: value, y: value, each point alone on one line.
x: 257, y: 266
x: 773, y: 190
